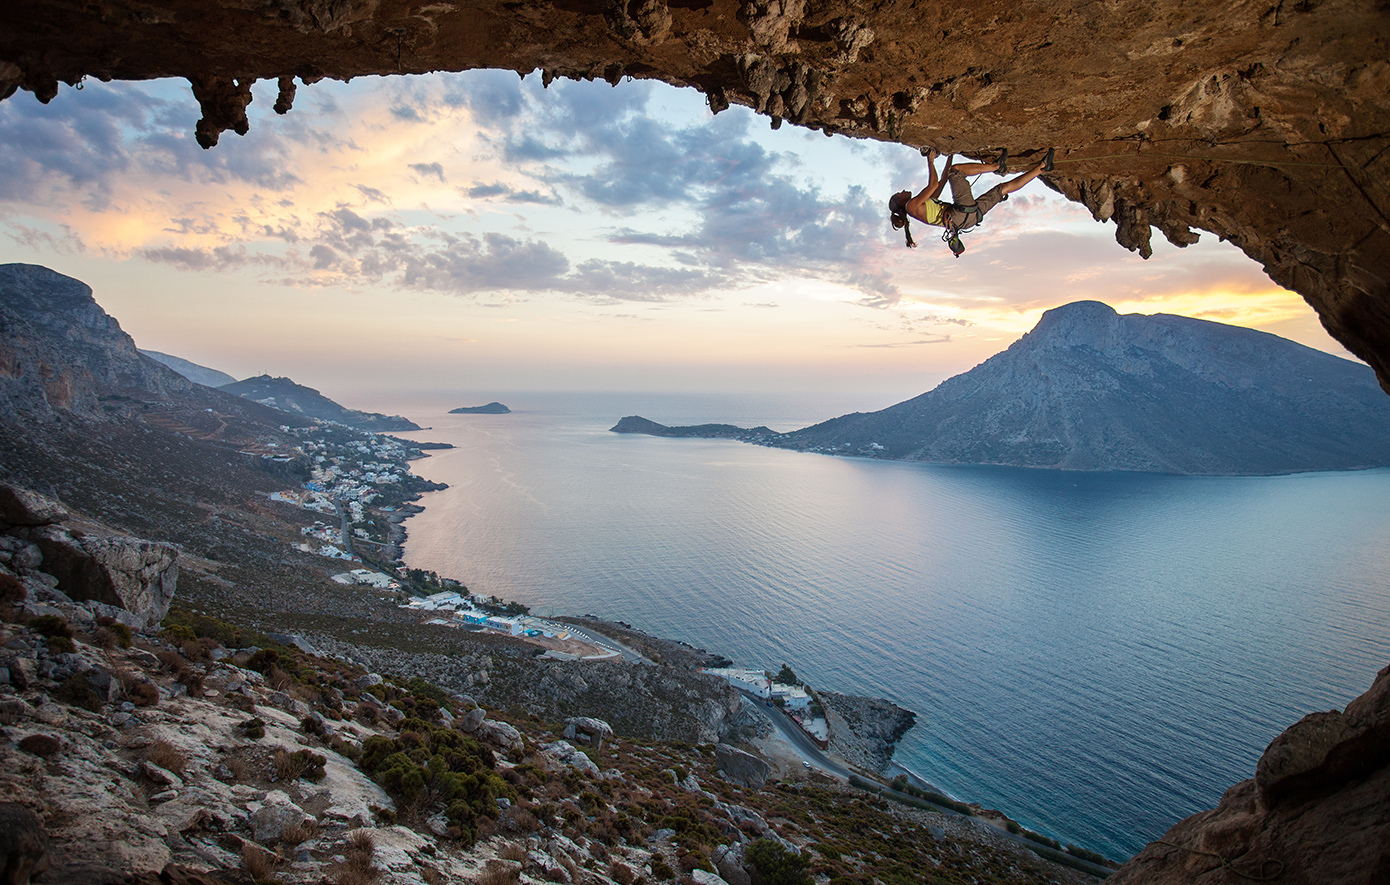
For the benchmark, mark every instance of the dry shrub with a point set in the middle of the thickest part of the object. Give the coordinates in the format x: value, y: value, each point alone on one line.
x: 288, y: 766
x: 513, y: 851
x: 570, y: 866
x: 278, y: 679
x: 432, y: 876
x: 342, y: 875
x: 142, y: 694
x: 525, y: 821
x: 194, y: 650
x: 358, y: 850
x: 258, y: 862
x: 621, y: 873
x: 499, y: 874
x: 486, y: 828
x: 167, y: 756
x: 241, y: 771
x: 300, y: 832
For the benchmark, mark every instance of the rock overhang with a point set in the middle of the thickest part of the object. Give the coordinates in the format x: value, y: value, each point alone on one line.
x: 1266, y: 124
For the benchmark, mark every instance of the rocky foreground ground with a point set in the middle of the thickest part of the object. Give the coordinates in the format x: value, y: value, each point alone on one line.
x: 143, y: 745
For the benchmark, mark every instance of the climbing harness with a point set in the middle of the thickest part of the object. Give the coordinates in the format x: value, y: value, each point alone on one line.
x: 951, y: 235
x: 1226, y: 864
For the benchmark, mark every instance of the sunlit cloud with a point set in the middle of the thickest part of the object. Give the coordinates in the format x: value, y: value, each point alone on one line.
x: 494, y: 213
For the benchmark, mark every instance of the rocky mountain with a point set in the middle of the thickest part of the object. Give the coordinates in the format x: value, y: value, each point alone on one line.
x: 1088, y: 389
x: 60, y: 352
x: 190, y: 370
x: 284, y: 394
x: 492, y: 408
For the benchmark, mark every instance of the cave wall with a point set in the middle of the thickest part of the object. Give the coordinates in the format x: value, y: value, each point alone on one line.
x: 1266, y: 123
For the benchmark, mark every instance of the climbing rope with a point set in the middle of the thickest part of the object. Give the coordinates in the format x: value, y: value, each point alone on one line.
x: 1226, y: 864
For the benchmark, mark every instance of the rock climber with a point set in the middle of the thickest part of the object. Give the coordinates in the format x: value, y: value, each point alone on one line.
x: 965, y: 210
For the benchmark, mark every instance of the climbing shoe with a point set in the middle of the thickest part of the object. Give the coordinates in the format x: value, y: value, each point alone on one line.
x: 1047, y: 162
x: 1003, y: 168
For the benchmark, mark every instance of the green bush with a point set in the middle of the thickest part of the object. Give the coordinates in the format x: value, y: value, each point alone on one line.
x: 1042, y: 840
x: 181, y: 624
x: 437, y: 767
x: 1086, y: 854
x: 661, y: 871
x: 57, y: 630
x: 253, y: 728
x: 776, y: 865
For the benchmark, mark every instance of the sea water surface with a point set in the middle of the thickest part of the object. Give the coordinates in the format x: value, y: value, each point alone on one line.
x: 1098, y: 655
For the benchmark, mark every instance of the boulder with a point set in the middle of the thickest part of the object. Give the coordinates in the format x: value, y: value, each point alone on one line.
x: 1314, y: 812
x: 161, y: 776
x: 500, y: 734
x: 276, y: 815
x: 566, y: 753
x: 138, y: 576
x: 543, y: 866
x: 23, y: 844
x: 703, y: 877
x: 742, y: 768
x: 22, y: 507
x: 471, y: 720
x: 728, y: 860
x: 596, y: 730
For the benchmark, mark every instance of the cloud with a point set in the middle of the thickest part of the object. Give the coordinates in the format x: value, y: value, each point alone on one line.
x: 426, y: 170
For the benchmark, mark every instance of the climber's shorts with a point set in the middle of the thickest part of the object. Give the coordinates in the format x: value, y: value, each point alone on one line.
x: 961, y: 196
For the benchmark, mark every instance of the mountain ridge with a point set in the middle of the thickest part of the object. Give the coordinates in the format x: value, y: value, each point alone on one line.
x: 189, y: 369
x: 289, y: 396
x: 1090, y: 389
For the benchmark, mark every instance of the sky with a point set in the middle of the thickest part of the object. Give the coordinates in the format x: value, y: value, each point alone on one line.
x: 476, y: 232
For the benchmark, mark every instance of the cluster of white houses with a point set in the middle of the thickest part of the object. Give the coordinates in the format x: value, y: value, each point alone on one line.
x: 457, y: 611
x: 795, y: 699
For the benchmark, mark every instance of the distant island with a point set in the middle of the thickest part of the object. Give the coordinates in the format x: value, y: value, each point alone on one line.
x: 1089, y: 389
x: 489, y: 409
x: 638, y: 424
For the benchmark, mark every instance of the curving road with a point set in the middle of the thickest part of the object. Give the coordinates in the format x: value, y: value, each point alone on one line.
x: 818, y: 759
x: 603, y: 641
x: 799, y: 740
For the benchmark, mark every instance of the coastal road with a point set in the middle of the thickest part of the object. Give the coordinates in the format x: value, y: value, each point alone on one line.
x: 799, y: 740
x: 347, y: 526
x: 629, y: 655
x: 813, y: 754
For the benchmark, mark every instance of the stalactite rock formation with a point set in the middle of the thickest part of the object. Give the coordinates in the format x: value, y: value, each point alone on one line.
x: 1266, y: 123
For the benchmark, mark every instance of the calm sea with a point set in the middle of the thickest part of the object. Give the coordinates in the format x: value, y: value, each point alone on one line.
x: 1099, y: 655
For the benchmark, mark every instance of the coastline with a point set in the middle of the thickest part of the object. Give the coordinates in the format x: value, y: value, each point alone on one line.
x: 884, y: 776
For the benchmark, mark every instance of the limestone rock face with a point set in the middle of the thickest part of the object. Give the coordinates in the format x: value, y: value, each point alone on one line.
x: 742, y: 768
x: 60, y: 352
x: 138, y: 576
x: 865, y: 731
x: 1263, y: 123
x: 1314, y: 813
x: 22, y: 507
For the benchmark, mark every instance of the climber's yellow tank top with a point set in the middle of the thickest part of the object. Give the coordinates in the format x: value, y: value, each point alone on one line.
x: 933, y: 213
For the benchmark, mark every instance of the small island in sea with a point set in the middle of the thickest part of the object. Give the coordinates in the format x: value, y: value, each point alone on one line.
x: 493, y: 408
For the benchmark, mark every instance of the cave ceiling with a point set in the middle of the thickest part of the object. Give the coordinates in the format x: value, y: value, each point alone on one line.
x: 1265, y: 123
